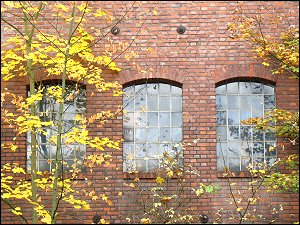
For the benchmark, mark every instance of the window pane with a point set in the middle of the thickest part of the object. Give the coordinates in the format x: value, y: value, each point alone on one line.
x: 140, y: 150
x: 233, y: 117
x: 232, y: 102
x: 256, y: 88
x: 221, y: 102
x: 176, y: 119
x: 233, y: 133
x: 164, y: 134
x: 152, y: 89
x: 153, y: 134
x: 269, y: 101
x: 232, y: 88
x: 164, y: 89
x: 128, y: 119
x: 140, y: 101
x: 129, y: 91
x: 245, y: 115
x: 128, y: 134
x: 140, y: 119
x: 246, y: 133
x: 221, y: 118
x: 269, y: 90
x: 176, y: 104
x: 153, y: 119
x: 176, y: 90
x: 221, y: 133
x: 128, y: 103
x: 245, y: 101
x: 176, y: 134
x: 164, y: 119
x: 164, y: 103
x: 221, y: 89
x: 140, y: 134
x: 152, y: 103
x: 245, y: 88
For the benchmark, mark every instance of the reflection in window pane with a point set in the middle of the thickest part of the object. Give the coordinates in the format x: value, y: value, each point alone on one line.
x: 243, y: 100
x: 128, y: 119
x: 269, y: 101
x: 221, y: 133
x: 233, y: 117
x: 256, y: 88
x: 128, y: 134
x: 245, y: 88
x: 221, y: 118
x: 221, y: 102
x: 233, y: 133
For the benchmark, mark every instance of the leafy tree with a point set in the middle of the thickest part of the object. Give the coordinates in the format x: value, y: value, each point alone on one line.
x: 259, y: 28
x: 65, y: 52
x: 280, y: 52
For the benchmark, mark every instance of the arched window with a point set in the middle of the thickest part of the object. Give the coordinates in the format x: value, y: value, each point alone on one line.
x: 238, y: 145
x: 152, y: 124
x: 74, y: 104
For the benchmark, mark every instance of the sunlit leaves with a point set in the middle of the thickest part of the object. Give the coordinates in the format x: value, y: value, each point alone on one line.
x: 281, y: 49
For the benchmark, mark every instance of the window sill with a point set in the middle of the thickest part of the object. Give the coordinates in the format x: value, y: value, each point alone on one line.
x: 239, y: 174
x: 140, y: 175
x: 81, y: 176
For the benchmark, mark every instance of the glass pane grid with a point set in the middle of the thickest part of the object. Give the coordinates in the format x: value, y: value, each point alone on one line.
x: 238, y: 101
x: 162, y: 105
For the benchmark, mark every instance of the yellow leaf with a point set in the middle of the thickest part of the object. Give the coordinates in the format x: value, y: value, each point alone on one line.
x: 160, y: 180
x: 131, y: 185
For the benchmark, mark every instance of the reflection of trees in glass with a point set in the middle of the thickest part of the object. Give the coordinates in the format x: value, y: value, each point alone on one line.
x: 158, y: 124
x: 236, y: 101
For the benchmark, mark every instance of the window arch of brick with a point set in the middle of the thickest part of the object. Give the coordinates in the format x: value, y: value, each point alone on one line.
x: 169, y: 74
x: 247, y: 72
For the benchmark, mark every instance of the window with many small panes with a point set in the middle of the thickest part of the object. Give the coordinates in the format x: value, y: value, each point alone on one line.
x: 240, y: 145
x: 48, y: 108
x: 152, y: 124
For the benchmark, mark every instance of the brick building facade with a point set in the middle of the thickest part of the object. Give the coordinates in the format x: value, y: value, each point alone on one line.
x: 198, y: 61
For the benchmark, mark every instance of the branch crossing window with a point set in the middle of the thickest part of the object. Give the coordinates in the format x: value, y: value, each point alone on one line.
x: 48, y: 108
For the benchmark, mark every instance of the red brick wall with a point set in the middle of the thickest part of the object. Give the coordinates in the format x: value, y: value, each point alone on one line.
x: 198, y: 59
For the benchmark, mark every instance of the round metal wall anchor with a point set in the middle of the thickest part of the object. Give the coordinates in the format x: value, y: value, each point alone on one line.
x: 96, y: 219
x: 203, y: 218
x: 181, y: 29
x: 115, y: 30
